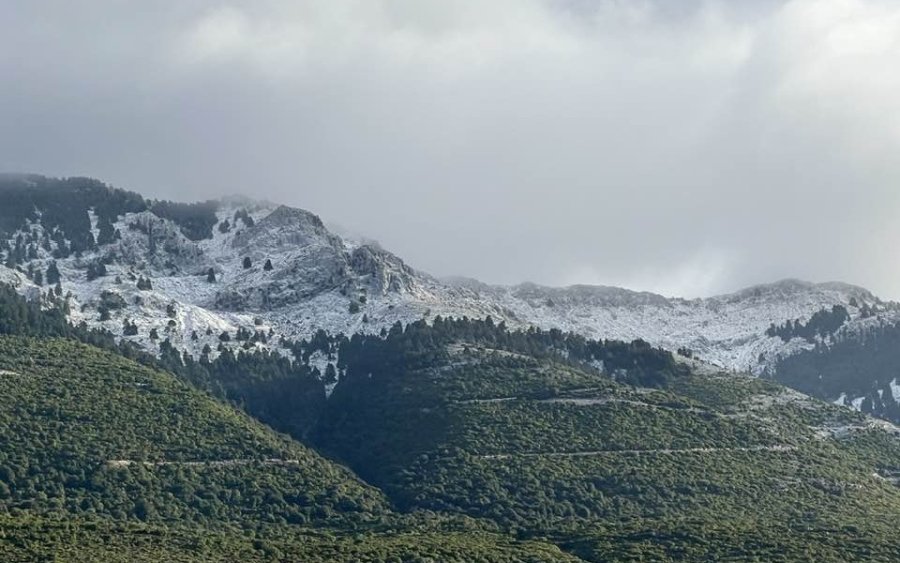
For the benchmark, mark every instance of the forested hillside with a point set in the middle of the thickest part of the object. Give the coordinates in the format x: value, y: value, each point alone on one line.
x: 63, y: 207
x: 106, y: 459
x: 702, y: 467
x: 471, y: 442
x: 861, y: 369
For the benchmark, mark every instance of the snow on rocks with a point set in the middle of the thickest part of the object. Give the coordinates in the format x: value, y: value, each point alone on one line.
x: 280, y: 270
x: 895, y: 390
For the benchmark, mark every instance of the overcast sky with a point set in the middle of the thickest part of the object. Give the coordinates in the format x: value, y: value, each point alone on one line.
x: 687, y: 147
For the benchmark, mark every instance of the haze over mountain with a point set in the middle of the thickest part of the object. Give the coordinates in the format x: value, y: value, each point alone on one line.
x: 688, y: 150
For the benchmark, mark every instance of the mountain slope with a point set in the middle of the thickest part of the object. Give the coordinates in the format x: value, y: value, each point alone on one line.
x: 35, y: 539
x: 104, y: 459
x: 547, y: 448
x: 494, y: 445
x: 860, y: 369
x: 198, y: 274
x: 138, y: 444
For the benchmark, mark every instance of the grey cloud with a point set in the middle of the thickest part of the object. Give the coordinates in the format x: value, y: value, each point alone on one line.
x: 690, y: 149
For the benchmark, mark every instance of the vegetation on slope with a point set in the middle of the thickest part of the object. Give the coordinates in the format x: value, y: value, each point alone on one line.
x: 37, y: 539
x: 864, y: 364
x: 103, y: 459
x: 89, y: 432
x: 64, y: 205
x: 493, y: 444
x: 709, y: 467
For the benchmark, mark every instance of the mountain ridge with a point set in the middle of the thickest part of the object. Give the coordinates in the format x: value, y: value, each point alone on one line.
x: 218, y: 266
x: 411, y: 431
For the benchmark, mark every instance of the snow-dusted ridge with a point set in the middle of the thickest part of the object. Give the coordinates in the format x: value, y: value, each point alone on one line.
x: 303, y: 277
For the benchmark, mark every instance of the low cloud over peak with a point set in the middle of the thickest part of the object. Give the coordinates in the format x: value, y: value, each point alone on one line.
x: 688, y: 149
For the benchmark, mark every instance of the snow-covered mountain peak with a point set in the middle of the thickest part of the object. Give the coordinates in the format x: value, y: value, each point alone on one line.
x: 193, y: 272
x: 588, y: 295
x: 286, y: 227
x: 792, y: 288
x: 382, y: 271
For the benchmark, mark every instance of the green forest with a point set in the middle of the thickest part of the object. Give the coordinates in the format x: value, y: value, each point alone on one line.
x: 456, y: 440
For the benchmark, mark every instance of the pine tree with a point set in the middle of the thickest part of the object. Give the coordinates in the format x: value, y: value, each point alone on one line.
x: 96, y: 270
x: 330, y: 374
x: 107, y: 232
x: 129, y: 328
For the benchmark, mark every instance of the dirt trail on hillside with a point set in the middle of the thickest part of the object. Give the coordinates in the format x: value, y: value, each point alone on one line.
x: 117, y: 463
x: 586, y: 402
x: 663, y: 451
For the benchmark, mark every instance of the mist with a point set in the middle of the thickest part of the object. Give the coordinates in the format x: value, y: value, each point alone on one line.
x: 686, y: 150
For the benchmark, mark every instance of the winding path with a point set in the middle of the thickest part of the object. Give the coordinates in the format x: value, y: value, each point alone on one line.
x: 665, y: 451
x: 118, y: 463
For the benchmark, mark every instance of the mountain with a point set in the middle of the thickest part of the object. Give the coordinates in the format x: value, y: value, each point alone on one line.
x: 106, y: 459
x: 235, y: 272
x: 471, y: 442
x: 138, y: 443
x: 860, y: 368
x: 473, y: 420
